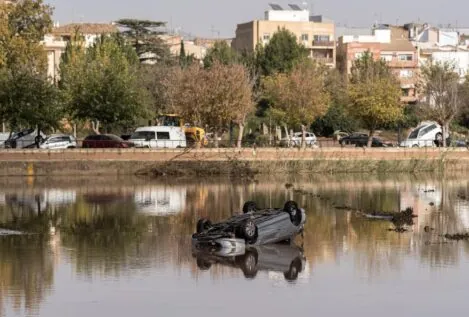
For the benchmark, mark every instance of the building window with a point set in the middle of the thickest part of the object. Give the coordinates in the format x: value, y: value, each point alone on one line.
x: 406, y: 92
x: 321, y: 38
x: 304, y: 37
x: 386, y: 57
x: 266, y: 36
x: 405, y: 73
x: 406, y: 57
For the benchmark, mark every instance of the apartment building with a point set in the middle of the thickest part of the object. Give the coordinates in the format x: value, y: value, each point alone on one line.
x: 316, y: 33
x: 56, y: 42
x: 390, y: 43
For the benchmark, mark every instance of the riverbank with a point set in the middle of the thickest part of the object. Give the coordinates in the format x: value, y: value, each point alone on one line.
x: 244, y: 162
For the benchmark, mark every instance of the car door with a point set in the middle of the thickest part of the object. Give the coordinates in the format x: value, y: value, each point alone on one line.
x: 162, y: 139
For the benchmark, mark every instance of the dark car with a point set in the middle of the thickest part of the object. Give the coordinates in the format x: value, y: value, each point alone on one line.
x: 105, y: 141
x: 361, y: 140
x: 253, y: 227
x: 285, y: 258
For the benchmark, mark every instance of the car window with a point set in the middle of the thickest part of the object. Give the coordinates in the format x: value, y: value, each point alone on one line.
x: 427, y: 129
x: 143, y: 135
x: 53, y: 140
x: 64, y: 139
x: 414, y: 134
x: 91, y: 138
x: 162, y: 135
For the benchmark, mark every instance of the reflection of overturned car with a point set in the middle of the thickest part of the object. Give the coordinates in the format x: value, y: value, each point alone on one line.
x: 253, y: 227
x: 285, y: 258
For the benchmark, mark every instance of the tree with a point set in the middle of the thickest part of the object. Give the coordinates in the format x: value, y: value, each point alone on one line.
x: 145, y: 37
x: 298, y: 98
x: 22, y: 28
x: 212, y: 97
x: 101, y: 83
x: 374, y: 94
x: 28, y: 99
x: 222, y: 53
x: 444, y: 94
x: 336, y: 118
x: 282, y: 53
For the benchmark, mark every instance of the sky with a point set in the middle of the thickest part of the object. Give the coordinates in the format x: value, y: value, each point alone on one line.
x: 218, y: 18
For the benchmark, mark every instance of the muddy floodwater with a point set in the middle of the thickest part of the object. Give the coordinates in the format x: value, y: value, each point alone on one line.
x: 122, y: 247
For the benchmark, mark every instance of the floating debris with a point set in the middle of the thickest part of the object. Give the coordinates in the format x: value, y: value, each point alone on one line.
x: 344, y: 208
x: 432, y: 204
x: 6, y: 232
x: 398, y: 229
x: 288, y: 186
x: 457, y: 236
x: 428, y: 229
x: 429, y: 191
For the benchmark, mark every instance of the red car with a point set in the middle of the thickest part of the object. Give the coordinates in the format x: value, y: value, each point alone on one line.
x: 105, y: 141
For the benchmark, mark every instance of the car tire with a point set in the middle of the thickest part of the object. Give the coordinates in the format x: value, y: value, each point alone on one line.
x: 203, y: 224
x: 439, y: 140
x: 295, y: 269
x: 415, y: 146
x: 249, y: 206
x: 249, y: 231
x: 248, y: 263
x: 292, y: 209
x: 203, y: 265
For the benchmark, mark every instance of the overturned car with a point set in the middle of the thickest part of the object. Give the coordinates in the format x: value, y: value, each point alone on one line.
x: 253, y: 227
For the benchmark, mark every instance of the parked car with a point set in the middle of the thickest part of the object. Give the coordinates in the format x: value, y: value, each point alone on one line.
x: 253, y: 227
x: 427, y: 134
x: 159, y: 137
x: 286, y: 258
x: 59, y: 141
x: 295, y: 140
x: 105, y: 141
x: 361, y: 140
x: 3, y: 138
x: 27, y: 138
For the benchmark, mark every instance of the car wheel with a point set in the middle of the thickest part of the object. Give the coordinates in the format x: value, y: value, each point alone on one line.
x: 439, y: 139
x: 203, y: 224
x: 71, y: 147
x: 248, y: 263
x: 249, y: 231
x: 292, y: 209
x: 203, y: 265
x: 295, y: 269
x: 415, y: 145
x: 249, y: 206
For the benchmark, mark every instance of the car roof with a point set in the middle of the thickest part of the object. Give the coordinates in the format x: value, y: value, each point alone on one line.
x: 58, y: 135
x: 157, y: 129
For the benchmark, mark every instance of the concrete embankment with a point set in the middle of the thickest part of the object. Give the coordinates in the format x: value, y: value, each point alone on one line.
x: 229, y: 161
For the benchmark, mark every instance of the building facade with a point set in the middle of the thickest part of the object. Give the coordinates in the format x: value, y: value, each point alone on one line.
x: 55, y: 43
x: 315, y: 32
x: 390, y: 43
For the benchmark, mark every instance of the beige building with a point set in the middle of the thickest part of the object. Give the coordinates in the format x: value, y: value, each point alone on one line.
x: 314, y: 32
x: 56, y: 42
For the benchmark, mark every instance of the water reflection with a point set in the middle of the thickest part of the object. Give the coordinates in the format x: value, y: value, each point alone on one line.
x: 110, y: 228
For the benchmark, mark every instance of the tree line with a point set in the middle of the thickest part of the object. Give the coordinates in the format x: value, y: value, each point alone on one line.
x: 125, y: 79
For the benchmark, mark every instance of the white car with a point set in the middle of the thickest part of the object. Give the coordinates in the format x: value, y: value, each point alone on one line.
x: 27, y: 138
x: 59, y: 141
x: 427, y: 134
x: 159, y: 137
x: 295, y: 140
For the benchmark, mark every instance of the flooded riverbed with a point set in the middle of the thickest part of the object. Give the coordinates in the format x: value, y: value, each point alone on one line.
x: 121, y: 247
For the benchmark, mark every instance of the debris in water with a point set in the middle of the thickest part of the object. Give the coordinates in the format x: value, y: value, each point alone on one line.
x: 457, y: 236
x: 288, y: 186
x: 432, y: 204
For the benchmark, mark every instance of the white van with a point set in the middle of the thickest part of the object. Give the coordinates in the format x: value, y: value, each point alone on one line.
x: 159, y: 137
x: 427, y: 134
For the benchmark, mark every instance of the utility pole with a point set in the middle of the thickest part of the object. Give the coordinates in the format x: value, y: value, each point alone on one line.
x: 213, y: 31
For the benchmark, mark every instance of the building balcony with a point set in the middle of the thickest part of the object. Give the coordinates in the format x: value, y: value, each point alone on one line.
x: 324, y: 60
x: 402, y: 64
x: 323, y: 43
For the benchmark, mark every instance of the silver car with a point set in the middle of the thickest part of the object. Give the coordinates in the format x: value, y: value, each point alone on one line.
x: 253, y: 227
x: 58, y: 142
